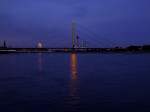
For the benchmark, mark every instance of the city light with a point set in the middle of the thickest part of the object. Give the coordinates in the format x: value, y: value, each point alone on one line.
x: 40, y: 45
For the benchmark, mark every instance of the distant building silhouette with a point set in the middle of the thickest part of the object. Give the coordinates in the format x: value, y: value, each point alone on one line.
x: 4, y: 45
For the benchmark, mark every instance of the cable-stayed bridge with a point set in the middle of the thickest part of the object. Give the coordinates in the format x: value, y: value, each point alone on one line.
x: 82, y: 39
x: 79, y: 44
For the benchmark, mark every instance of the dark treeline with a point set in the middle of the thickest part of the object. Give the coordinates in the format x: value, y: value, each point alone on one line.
x: 132, y: 48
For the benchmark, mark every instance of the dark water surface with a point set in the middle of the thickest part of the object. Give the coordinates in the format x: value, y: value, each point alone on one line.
x: 74, y: 82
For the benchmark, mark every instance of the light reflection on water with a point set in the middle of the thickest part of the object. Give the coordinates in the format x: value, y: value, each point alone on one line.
x: 72, y: 102
x: 73, y: 66
x: 40, y: 62
x: 74, y: 76
x: 74, y: 82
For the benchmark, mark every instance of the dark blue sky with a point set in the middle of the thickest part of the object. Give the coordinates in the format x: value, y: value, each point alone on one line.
x: 110, y: 22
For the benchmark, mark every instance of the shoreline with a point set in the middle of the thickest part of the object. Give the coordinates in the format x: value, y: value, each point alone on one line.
x: 72, y: 50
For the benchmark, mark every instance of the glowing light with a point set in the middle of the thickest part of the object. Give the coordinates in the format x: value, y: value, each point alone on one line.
x: 40, y: 45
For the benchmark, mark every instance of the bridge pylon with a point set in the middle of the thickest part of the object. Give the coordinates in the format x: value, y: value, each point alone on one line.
x: 75, y: 37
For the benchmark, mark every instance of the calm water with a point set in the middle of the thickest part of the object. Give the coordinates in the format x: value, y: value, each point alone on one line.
x: 74, y: 82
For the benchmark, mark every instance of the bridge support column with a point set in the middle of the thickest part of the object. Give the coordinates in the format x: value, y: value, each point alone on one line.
x: 73, y: 34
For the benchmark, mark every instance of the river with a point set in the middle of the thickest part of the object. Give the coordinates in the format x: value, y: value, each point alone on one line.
x: 75, y: 82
